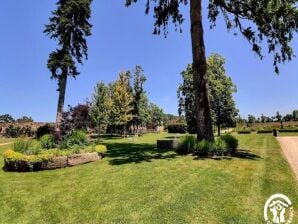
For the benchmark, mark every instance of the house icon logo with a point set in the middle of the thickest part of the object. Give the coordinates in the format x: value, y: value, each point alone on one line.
x: 278, y: 209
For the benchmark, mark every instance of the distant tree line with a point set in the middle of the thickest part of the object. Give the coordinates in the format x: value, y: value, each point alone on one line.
x: 7, y: 118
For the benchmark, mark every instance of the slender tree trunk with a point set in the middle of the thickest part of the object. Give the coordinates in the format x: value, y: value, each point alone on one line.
x: 62, y: 88
x: 218, y: 129
x: 204, y: 121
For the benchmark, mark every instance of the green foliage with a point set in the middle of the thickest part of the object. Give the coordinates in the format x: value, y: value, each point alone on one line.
x: 155, y: 115
x: 187, y: 144
x: 14, y: 131
x: 22, y: 145
x: 6, y: 118
x: 219, y: 146
x: 28, y: 147
x: 101, y: 107
x: 44, y: 130
x: 221, y: 90
x: 24, y: 119
x: 231, y: 142
x: 47, y: 141
x: 177, y: 128
x: 203, y: 147
x: 77, y: 138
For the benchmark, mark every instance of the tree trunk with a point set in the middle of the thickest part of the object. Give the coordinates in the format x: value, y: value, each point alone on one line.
x: 204, y: 121
x: 218, y: 129
x: 62, y: 88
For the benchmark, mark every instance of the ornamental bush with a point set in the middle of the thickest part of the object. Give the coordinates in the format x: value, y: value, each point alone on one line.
x: 187, y: 144
x: 177, y: 128
x: 231, y: 142
x: 47, y: 141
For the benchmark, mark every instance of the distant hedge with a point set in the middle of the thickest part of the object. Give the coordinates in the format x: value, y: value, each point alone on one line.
x: 244, y: 132
x: 264, y: 131
x: 288, y: 130
x: 177, y: 128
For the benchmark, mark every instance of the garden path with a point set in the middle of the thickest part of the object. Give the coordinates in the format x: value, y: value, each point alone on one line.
x: 289, y: 145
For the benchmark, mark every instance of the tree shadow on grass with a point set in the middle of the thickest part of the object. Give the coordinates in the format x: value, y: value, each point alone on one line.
x: 124, y: 153
x: 241, y: 154
x: 246, y: 154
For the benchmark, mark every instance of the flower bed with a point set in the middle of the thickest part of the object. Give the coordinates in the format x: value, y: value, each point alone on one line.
x: 51, y: 159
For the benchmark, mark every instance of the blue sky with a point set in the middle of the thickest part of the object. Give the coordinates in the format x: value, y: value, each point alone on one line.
x: 122, y: 38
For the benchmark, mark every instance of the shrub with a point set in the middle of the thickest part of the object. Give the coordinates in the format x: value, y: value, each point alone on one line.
x: 177, y: 128
x: 231, y: 142
x: 47, y: 141
x: 77, y: 138
x: 203, y: 147
x: 264, y: 131
x: 12, y: 131
x: 44, y: 130
x: 288, y: 130
x: 219, y: 146
x: 22, y: 145
x: 187, y: 144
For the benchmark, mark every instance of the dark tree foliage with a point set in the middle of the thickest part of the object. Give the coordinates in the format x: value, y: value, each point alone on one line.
x: 274, y: 21
x: 6, y: 118
x: 68, y: 25
x: 24, y: 119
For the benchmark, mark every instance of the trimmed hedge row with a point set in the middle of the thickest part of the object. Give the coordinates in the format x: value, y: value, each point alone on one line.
x: 244, y: 132
x: 177, y: 128
x: 264, y: 131
x: 288, y: 130
x: 51, y: 159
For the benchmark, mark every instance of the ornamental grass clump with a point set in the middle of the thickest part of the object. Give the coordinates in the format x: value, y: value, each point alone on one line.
x: 187, y: 144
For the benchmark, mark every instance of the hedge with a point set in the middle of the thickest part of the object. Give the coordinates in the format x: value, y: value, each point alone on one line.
x: 244, y: 132
x: 264, y: 131
x: 288, y: 130
x: 177, y: 128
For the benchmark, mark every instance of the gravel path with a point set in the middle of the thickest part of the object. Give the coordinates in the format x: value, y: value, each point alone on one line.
x: 6, y: 143
x: 289, y: 146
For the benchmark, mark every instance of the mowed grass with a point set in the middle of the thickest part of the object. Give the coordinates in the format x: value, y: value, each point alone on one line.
x: 136, y: 183
x: 7, y: 140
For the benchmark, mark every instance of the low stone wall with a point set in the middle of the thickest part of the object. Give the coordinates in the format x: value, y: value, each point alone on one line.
x: 167, y: 144
x: 55, y: 163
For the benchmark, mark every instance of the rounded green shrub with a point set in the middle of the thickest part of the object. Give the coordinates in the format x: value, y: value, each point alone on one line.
x: 177, y: 128
x: 203, y: 147
x: 231, y: 142
x: 187, y: 144
x: 47, y: 141
x: 77, y: 138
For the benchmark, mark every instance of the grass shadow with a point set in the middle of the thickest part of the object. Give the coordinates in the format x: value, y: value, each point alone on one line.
x: 124, y: 153
x: 246, y: 154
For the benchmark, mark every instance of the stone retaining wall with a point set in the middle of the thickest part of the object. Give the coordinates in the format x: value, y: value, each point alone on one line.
x: 55, y: 163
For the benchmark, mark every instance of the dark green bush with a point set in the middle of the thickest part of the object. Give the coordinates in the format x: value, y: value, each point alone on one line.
x: 244, y: 132
x: 187, y: 144
x: 203, y: 148
x: 44, y: 130
x: 264, y: 131
x: 77, y: 138
x: 288, y: 130
x: 177, y: 128
x: 219, y: 146
x: 12, y: 131
x: 231, y: 142
x: 47, y: 141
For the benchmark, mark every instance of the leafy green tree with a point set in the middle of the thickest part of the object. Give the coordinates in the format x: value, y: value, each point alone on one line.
x: 122, y: 99
x: 156, y: 115
x: 101, y: 106
x: 220, y: 93
x: 6, y: 118
x: 68, y: 25
x: 186, y: 99
x: 221, y: 90
x: 251, y: 120
x: 279, y: 119
x: 24, y: 119
x: 295, y: 115
x: 139, y: 98
x: 270, y: 20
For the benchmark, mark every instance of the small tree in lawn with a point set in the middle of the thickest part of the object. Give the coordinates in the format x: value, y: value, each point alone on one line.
x: 221, y: 90
x: 139, y: 103
x: 122, y: 99
x: 279, y: 119
x: 156, y: 115
x: 68, y: 25
x: 273, y: 21
x: 101, y: 106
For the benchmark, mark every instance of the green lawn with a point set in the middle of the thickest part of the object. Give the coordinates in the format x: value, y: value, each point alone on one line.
x: 6, y: 140
x: 135, y: 183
